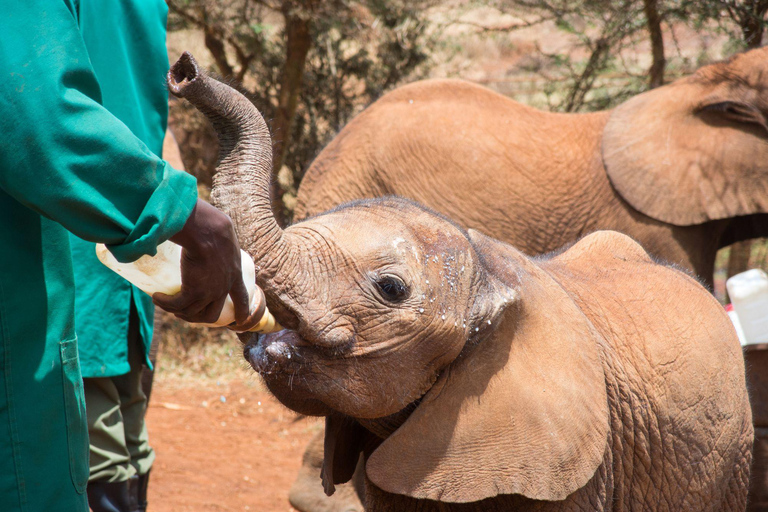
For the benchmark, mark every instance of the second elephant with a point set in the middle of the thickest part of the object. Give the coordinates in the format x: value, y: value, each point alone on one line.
x: 682, y: 169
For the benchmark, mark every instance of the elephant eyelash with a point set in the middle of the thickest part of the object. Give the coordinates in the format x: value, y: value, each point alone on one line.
x: 392, y: 289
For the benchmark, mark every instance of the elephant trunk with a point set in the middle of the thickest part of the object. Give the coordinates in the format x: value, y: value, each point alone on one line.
x: 243, y: 174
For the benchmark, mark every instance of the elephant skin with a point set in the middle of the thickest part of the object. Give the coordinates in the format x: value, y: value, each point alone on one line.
x: 682, y: 169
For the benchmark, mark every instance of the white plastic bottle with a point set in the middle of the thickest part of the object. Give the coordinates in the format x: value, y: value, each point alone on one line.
x: 162, y: 273
x: 749, y: 295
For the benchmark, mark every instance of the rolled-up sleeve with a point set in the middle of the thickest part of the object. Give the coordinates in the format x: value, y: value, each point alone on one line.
x: 66, y: 156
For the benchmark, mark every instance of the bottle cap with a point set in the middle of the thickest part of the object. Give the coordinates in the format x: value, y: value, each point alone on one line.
x: 267, y: 323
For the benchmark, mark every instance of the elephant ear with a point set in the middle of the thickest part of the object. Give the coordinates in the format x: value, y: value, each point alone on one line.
x: 523, y: 412
x: 690, y: 152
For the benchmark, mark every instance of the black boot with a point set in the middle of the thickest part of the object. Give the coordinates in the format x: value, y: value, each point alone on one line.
x: 141, y: 492
x: 109, y: 496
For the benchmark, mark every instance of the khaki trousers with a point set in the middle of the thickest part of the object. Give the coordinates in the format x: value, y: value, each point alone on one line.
x: 115, y: 408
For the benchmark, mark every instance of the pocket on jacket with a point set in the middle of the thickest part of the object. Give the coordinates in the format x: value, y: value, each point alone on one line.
x: 77, y: 427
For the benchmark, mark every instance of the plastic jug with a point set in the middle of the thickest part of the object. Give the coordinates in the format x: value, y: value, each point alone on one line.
x: 749, y: 295
x: 162, y: 273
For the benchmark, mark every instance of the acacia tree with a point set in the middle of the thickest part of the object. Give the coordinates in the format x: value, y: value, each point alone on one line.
x: 748, y: 16
x: 308, y: 65
x: 602, y: 29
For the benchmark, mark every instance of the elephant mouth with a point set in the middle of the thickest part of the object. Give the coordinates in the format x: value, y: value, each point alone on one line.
x: 274, y: 353
x: 287, y: 363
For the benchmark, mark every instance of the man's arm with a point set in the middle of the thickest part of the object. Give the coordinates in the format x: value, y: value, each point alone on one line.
x: 68, y: 158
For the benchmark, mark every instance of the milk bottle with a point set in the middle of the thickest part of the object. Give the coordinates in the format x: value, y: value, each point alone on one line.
x: 162, y: 273
x: 749, y: 295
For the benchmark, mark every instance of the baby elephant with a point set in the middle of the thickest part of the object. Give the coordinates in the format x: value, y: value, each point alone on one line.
x: 473, y: 378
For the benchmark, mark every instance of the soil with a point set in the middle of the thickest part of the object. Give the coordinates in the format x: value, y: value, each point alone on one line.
x: 230, y: 447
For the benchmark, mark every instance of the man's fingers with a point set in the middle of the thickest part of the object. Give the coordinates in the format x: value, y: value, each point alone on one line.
x: 256, y: 315
x: 197, y: 308
x: 174, y: 303
x: 250, y: 322
x: 239, y: 294
x: 212, y: 312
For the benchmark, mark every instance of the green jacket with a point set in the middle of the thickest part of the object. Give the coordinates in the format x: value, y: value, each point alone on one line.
x: 65, y: 162
x: 132, y: 34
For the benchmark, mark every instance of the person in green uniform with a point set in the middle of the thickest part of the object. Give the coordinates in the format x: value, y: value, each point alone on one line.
x: 113, y: 320
x: 67, y: 163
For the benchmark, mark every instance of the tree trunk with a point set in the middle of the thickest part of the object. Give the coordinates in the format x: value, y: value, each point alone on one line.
x: 652, y: 16
x: 298, y: 43
x: 216, y: 47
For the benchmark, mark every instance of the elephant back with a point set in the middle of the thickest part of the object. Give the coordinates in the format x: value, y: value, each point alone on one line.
x: 675, y: 374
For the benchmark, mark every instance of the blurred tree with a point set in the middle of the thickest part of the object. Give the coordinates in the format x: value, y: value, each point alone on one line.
x: 751, y: 18
x: 748, y: 15
x: 309, y: 65
x: 602, y: 29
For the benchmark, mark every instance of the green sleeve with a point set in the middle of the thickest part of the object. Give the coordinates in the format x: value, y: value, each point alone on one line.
x: 66, y: 156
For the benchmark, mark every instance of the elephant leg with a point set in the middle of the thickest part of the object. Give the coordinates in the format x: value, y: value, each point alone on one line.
x: 756, y: 360
x: 307, y: 494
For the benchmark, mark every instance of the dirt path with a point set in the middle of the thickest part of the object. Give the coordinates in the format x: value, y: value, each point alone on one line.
x: 223, y: 448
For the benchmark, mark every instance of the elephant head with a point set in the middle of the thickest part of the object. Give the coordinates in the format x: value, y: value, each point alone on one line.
x: 695, y: 150
x: 383, y: 302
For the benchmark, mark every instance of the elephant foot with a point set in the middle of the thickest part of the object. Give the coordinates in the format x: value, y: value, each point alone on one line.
x: 307, y: 493
x: 307, y: 496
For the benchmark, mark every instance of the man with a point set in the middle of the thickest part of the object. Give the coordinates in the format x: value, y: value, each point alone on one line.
x: 114, y: 319
x: 66, y: 162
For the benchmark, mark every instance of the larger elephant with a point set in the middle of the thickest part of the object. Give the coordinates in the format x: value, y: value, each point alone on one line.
x: 682, y: 169
x: 472, y: 377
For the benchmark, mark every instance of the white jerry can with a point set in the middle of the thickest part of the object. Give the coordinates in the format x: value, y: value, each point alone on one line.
x: 162, y: 273
x: 749, y: 296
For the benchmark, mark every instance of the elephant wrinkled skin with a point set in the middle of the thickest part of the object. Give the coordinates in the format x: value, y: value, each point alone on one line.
x: 472, y: 377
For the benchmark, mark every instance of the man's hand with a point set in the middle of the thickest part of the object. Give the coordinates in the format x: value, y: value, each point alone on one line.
x: 255, y: 317
x: 210, y: 269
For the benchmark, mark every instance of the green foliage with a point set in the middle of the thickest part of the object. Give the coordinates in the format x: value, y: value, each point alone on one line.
x: 593, y: 74
x: 352, y: 62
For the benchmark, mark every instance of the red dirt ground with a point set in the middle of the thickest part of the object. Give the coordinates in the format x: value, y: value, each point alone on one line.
x: 241, y: 454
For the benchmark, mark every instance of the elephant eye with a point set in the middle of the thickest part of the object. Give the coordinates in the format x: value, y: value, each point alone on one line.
x: 392, y: 289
